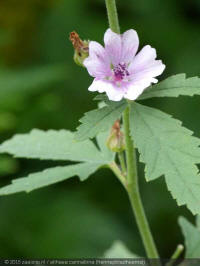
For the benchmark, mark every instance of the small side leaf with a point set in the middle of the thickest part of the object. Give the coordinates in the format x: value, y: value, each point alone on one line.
x: 168, y: 149
x: 173, y: 86
x: 99, y: 120
x: 48, y: 177
x: 52, y: 145
x: 192, y: 238
x: 120, y: 251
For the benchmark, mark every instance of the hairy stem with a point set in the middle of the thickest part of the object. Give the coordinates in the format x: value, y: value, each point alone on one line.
x: 131, y: 183
x: 112, y: 15
x: 133, y: 191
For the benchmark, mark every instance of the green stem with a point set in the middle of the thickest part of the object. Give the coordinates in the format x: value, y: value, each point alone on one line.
x: 133, y: 191
x: 122, y: 162
x: 131, y: 183
x: 177, y: 252
x: 112, y: 15
x: 175, y: 255
x: 130, y: 153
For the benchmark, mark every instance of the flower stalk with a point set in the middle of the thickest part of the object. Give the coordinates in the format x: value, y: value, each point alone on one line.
x: 112, y: 15
x: 132, y: 176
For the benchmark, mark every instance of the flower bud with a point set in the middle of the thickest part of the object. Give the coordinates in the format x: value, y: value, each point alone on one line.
x: 81, y: 48
x: 115, y: 140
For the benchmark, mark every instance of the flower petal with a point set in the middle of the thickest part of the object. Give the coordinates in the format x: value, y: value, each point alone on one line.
x: 96, y: 50
x: 97, y: 63
x: 135, y: 89
x: 113, y: 93
x: 113, y: 46
x: 145, y: 57
x: 130, y: 44
x: 152, y: 70
x: 97, y: 85
x: 96, y: 68
x: 145, y: 66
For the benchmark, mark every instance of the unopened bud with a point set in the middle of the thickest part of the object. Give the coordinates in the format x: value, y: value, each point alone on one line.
x: 115, y: 141
x: 81, y: 48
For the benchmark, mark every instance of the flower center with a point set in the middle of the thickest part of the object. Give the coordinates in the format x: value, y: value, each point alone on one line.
x: 120, y: 72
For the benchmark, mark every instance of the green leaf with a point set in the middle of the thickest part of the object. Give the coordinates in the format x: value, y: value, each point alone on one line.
x: 120, y: 251
x: 101, y: 97
x: 49, y: 177
x: 52, y: 145
x: 168, y: 149
x: 192, y: 238
x: 55, y: 145
x: 173, y: 86
x: 198, y: 221
x: 99, y: 120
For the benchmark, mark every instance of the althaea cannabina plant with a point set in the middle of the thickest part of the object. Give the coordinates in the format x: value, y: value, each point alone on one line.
x: 117, y: 70
x: 165, y: 146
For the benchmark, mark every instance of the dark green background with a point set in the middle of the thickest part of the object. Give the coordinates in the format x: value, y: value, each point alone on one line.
x: 73, y: 219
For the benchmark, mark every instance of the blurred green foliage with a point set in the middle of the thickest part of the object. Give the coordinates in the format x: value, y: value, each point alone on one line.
x: 41, y: 87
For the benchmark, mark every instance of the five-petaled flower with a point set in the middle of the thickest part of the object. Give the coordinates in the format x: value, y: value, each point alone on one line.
x: 118, y: 70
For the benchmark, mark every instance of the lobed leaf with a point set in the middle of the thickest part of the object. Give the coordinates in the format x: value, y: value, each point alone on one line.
x: 99, y: 120
x: 173, y: 86
x: 119, y: 250
x: 55, y: 145
x: 52, y: 145
x: 48, y: 177
x: 192, y: 238
x: 168, y: 149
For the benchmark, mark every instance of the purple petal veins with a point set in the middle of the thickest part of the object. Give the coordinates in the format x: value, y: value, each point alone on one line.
x: 118, y: 70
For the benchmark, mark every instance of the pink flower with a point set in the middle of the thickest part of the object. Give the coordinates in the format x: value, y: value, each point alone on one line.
x: 117, y: 70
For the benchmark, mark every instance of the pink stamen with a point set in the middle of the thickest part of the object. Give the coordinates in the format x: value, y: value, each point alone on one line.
x: 120, y: 72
